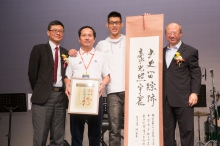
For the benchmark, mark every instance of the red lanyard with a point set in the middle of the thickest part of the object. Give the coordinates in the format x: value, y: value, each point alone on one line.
x: 89, y: 61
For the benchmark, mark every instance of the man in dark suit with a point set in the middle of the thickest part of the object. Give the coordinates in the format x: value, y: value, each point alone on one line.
x: 181, y: 83
x: 46, y: 75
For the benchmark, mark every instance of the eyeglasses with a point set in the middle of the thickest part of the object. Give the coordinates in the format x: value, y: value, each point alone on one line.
x: 116, y: 22
x: 173, y: 32
x: 56, y: 31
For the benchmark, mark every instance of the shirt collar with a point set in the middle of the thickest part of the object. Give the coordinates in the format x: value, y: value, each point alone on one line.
x: 177, y: 45
x: 92, y: 52
x: 53, y: 46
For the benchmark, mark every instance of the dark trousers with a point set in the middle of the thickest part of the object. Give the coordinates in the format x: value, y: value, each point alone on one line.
x: 77, y: 123
x: 115, y: 108
x: 185, y: 118
x: 49, y: 117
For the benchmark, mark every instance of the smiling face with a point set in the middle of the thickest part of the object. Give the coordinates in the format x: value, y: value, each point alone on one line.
x: 86, y: 39
x: 114, y: 25
x: 173, y: 34
x: 56, y: 34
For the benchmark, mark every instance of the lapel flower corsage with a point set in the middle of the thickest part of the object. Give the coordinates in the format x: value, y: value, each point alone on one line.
x: 65, y: 60
x: 178, y: 59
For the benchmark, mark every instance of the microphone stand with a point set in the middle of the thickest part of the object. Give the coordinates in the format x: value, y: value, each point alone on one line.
x: 211, y: 126
x: 10, y: 109
x: 215, y: 106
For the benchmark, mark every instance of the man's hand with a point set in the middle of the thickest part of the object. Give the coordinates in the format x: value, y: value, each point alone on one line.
x: 101, y: 88
x: 193, y: 98
x: 68, y: 91
x: 72, y: 53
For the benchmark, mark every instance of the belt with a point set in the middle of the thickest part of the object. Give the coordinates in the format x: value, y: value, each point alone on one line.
x: 58, y: 89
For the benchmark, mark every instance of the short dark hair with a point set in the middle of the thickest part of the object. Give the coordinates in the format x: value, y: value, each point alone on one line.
x: 55, y: 22
x: 114, y: 14
x: 80, y: 30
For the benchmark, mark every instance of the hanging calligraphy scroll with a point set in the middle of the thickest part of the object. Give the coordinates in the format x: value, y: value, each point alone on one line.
x: 143, y: 90
x: 84, y: 97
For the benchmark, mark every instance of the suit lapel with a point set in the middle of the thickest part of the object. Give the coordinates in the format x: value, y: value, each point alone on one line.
x: 164, y: 57
x: 61, y: 59
x: 180, y: 50
x: 172, y: 63
x: 50, y: 54
x: 62, y: 51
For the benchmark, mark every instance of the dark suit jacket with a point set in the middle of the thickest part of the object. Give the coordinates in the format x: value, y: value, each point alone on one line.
x: 180, y: 82
x: 40, y: 72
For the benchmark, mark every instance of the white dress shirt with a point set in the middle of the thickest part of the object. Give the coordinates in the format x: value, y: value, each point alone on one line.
x: 170, y: 52
x: 59, y: 82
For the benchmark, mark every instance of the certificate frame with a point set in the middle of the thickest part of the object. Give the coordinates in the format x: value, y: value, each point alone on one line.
x: 84, y: 98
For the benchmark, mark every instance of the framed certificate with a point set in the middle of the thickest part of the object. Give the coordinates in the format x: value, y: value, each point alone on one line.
x: 84, y: 97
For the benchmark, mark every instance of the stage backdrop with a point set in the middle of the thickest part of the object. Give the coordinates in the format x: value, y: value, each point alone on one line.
x: 143, y: 96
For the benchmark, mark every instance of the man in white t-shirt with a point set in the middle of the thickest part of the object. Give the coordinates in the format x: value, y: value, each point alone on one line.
x: 89, y: 63
x: 114, y: 49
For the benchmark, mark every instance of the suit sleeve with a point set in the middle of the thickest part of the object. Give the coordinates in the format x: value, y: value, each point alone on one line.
x: 195, y: 72
x: 33, y: 68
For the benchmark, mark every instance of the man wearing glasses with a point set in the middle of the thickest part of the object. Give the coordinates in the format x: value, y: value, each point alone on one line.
x: 181, y: 86
x: 46, y: 75
x: 114, y: 49
x: 89, y: 63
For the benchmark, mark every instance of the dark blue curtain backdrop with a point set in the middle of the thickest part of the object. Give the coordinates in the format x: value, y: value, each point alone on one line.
x: 24, y: 23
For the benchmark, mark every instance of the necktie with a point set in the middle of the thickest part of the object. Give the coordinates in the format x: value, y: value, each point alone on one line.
x: 55, y: 65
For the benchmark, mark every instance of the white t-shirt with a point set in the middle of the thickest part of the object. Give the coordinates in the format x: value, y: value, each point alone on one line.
x: 114, y: 50
x: 95, y: 62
